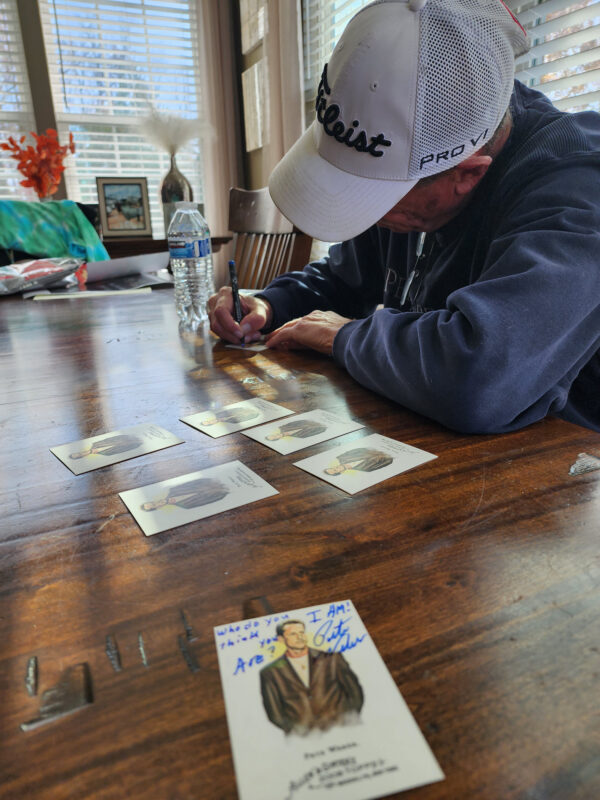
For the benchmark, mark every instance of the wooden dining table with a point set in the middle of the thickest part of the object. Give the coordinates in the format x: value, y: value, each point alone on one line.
x: 476, y: 574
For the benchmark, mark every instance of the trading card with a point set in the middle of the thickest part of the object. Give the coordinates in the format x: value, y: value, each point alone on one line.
x: 195, y: 496
x: 302, y: 430
x: 85, y: 455
x: 313, y: 711
x: 235, y: 417
x: 256, y: 347
x: 364, y: 462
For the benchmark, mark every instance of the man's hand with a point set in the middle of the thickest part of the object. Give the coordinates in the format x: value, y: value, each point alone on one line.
x: 315, y: 331
x: 257, y: 313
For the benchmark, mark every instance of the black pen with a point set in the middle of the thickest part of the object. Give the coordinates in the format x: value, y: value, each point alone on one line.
x: 235, y: 291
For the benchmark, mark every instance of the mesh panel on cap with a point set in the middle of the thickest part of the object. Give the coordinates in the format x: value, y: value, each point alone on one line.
x: 466, y: 69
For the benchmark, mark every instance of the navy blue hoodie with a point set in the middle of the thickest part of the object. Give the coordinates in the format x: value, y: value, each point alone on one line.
x: 501, y: 325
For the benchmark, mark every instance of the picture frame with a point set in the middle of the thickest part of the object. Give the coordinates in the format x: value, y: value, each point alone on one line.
x: 123, y: 207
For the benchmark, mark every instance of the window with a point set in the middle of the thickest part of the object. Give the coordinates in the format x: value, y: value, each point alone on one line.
x: 564, y: 60
x: 16, y: 111
x: 108, y: 61
x: 323, y: 22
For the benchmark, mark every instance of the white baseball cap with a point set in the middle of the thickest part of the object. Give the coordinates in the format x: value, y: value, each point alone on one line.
x: 413, y: 88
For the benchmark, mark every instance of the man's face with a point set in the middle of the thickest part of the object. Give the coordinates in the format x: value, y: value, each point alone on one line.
x: 151, y: 505
x: 337, y: 469
x: 294, y: 636
x: 427, y: 207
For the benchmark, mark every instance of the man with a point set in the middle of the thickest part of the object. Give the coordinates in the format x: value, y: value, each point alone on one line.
x: 190, y: 494
x: 110, y: 446
x: 485, y: 200
x: 299, y: 429
x: 363, y: 459
x: 305, y: 688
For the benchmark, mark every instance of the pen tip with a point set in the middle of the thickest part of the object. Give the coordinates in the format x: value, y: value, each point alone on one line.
x: 232, y: 263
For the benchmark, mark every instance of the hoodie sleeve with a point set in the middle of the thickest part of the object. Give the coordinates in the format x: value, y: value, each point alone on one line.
x: 348, y: 281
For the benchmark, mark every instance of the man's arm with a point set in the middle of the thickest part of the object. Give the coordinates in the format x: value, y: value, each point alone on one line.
x: 505, y: 350
x: 348, y: 282
x: 507, y: 347
x: 315, y: 331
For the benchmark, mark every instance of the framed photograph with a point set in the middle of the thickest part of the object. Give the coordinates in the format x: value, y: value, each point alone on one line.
x: 123, y: 206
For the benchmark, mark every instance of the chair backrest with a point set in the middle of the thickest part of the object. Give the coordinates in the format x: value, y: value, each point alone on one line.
x: 263, y: 240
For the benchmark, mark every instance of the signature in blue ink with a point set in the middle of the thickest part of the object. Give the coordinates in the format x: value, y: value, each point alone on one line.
x: 337, y: 635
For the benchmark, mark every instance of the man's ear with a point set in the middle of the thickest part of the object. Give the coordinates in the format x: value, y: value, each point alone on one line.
x: 469, y: 172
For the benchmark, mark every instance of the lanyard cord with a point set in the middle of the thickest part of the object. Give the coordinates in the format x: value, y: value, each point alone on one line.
x: 422, y: 256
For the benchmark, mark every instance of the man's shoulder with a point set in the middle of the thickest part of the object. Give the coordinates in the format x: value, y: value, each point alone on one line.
x: 279, y: 663
x: 543, y: 131
x: 324, y: 655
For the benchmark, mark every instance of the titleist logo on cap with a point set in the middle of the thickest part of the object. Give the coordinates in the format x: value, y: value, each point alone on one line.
x: 328, y: 116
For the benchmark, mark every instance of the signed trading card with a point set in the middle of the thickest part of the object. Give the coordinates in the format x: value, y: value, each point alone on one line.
x: 313, y: 711
x: 255, y: 347
x: 235, y: 417
x: 109, y: 448
x: 364, y: 462
x: 302, y: 431
x: 177, y: 501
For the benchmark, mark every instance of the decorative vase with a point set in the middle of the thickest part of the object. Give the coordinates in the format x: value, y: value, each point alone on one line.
x: 174, y: 187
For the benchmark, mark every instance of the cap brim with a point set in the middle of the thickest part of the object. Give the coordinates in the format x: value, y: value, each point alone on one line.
x: 324, y: 201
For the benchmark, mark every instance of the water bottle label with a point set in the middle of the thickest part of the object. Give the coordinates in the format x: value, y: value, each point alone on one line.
x: 179, y: 248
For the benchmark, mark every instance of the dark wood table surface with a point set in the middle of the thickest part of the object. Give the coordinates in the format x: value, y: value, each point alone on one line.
x: 477, y: 574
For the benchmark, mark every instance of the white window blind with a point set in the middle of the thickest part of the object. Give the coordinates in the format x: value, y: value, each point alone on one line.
x: 16, y: 111
x: 109, y: 60
x: 564, y: 60
x: 323, y: 22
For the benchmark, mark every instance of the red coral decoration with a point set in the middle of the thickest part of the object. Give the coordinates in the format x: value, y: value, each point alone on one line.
x: 41, y: 165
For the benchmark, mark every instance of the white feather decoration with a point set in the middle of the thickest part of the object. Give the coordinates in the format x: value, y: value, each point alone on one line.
x: 171, y: 133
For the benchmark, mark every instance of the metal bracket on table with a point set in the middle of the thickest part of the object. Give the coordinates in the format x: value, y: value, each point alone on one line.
x: 188, y: 656
x: 72, y: 692
x: 182, y: 641
x: 31, y: 676
x: 256, y: 607
x: 189, y: 633
x: 142, y: 649
x: 585, y: 463
x: 112, y: 651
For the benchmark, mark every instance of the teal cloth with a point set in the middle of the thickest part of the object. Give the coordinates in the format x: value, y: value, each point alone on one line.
x: 54, y: 229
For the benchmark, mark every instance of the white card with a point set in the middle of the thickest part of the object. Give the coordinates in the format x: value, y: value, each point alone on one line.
x: 313, y: 711
x: 177, y: 501
x: 302, y: 430
x: 256, y: 347
x: 364, y: 462
x: 235, y: 417
x: 85, y: 455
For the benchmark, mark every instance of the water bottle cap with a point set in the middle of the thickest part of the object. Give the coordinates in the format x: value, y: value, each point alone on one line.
x: 185, y: 204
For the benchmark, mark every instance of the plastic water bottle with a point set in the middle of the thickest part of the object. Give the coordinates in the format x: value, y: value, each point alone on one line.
x: 191, y: 262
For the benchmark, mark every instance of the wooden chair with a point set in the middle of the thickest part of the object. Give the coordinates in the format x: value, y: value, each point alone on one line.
x: 265, y: 243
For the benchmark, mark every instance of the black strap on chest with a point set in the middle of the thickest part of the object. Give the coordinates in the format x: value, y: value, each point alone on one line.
x: 423, y: 251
